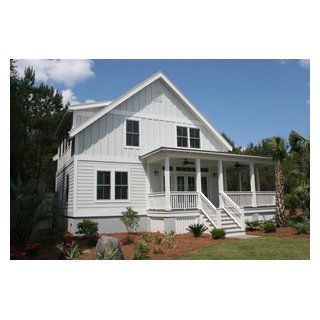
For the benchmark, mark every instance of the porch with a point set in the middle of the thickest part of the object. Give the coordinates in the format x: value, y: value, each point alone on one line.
x: 180, y: 180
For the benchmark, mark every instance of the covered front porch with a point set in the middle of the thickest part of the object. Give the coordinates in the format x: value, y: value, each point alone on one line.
x: 179, y: 179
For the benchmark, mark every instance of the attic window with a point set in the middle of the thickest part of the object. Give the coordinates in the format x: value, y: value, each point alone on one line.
x: 132, y: 133
x: 194, y: 138
x: 182, y: 137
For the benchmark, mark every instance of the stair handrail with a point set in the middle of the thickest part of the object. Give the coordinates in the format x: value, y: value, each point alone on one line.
x: 209, y: 204
x: 237, y: 213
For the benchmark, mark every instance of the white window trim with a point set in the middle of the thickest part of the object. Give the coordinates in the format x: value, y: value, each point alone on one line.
x: 188, y: 135
x: 193, y: 127
x: 112, y: 185
x: 125, y: 133
x: 183, y: 126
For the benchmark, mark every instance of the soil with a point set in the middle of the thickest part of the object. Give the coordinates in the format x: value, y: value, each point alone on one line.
x: 280, y: 232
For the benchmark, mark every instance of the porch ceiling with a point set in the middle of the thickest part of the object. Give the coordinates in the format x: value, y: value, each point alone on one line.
x: 230, y: 159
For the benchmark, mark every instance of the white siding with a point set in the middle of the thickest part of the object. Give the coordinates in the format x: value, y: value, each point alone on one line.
x: 182, y: 223
x: 159, y: 112
x: 61, y: 189
x: 87, y: 205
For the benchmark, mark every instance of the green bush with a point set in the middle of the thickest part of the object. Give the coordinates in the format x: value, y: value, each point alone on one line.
x: 107, y: 254
x: 157, y: 240
x: 130, y: 219
x: 218, y: 233
x: 169, y: 239
x: 141, y: 251
x: 147, y: 236
x: 69, y: 250
x: 269, y: 226
x: 158, y: 251
x: 127, y: 241
x: 293, y: 220
x: 303, y: 227
x: 197, y: 229
x: 87, y: 227
x: 253, y: 225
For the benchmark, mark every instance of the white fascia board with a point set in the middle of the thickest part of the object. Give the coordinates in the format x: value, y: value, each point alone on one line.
x: 139, y: 87
x: 90, y: 105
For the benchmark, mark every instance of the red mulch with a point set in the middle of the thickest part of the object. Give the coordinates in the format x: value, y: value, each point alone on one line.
x: 281, y: 232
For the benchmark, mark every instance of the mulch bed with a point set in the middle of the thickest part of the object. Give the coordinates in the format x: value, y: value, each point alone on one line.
x: 280, y: 232
x: 184, y: 243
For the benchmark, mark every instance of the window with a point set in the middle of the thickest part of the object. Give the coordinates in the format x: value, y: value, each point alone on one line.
x: 182, y: 137
x: 133, y: 133
x: 67, y: 188
x: 191, y: 183
x: 121, y: 185
x: 194, y: 138
x: 103, y: 185
x: 180, y: 183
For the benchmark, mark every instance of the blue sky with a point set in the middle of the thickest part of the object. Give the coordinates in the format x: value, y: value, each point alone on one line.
x: 247, y: 99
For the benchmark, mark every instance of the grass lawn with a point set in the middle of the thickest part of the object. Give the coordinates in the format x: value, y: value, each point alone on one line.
x: 264, y: 248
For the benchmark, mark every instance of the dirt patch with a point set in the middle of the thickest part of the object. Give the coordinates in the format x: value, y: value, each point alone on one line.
x: 280, y: 232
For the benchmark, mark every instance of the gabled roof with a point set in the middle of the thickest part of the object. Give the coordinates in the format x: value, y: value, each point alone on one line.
x: 133, y: 91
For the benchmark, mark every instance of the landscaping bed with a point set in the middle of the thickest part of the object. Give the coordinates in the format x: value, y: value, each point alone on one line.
x: 280, y: 232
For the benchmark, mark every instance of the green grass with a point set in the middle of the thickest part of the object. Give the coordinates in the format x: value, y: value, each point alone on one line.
x: 268, y: 248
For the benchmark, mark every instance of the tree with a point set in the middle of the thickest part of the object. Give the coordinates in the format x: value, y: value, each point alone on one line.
x: 279, y: 152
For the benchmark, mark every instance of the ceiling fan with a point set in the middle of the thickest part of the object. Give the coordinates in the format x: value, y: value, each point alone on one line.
x: 239, y: 165
x: 186, y: 162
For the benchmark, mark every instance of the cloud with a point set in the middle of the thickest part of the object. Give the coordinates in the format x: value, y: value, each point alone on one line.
x: 68, y: 96
x: 65, y: 71
x: 90, y: 101
x: 304, y: 63
x: 283, y: 61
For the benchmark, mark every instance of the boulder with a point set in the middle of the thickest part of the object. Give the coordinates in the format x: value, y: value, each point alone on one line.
x: 107, y: 243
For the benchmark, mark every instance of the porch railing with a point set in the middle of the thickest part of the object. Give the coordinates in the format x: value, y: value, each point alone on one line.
x: 245, y: 198
x: 184, y: 200
x: 156, y: 200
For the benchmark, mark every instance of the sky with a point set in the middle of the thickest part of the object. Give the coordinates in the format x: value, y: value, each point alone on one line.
x: 247, y: 99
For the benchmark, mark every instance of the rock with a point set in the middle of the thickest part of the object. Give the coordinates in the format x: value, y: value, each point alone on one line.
x: 107, y: 243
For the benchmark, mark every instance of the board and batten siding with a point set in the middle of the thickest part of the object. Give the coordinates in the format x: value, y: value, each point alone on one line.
x: 159, y: 112
x: 61, y: 189
x: 88, y: 205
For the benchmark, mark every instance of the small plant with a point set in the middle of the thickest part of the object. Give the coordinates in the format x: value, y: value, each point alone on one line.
x: 127, y: 241
x: 87, y: 227
x: 169, y: 239
x: 93, y: 239
x: 147, y: 236
x: 32, y: 249
x: 158, y: 251
x: 269, y: 226
x: 218, y: 233
x: 197, y: 229
x: 107, y: 254
x: 141, y: 251
x: 130, y: 219
x: 303, y: 227
x: 293, y: 220
x: 253, y: 225
x: 69, y: 250
x: 157, y: 240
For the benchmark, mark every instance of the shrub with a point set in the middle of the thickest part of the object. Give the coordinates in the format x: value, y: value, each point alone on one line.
x: 147, y: 236
x: 253, y: 225
x: 32, y: 249
x: 303, y: 227
x: 127, y: 241
x: 218, y: 233
x: 69, y: 250
x: 87, y: 227
x: 293, y: 220
x: 141, y: 251
x: 158, y: 251
x: 157, y: 240
x: 269, y: 226
x: 169, y: 239
x: 130, y: 219
x: 107, y: 254
x: 197, y: 229
x: 93, y: 239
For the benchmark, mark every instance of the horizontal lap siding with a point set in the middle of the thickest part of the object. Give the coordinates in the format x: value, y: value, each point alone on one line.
x: 86, y: 188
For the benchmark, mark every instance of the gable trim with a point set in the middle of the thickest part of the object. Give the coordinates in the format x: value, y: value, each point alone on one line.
x: 136, y: 89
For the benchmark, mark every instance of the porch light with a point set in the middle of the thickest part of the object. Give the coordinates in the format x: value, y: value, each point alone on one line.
x: 156, y: 173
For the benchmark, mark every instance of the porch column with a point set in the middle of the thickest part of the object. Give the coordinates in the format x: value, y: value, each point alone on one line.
x: 167, y: 183
x: 258, y: 179
x: 253, y: 184
x: 240, y: 180
x: 220, y: 179
x: 198, y: 175
x: 225, y: 178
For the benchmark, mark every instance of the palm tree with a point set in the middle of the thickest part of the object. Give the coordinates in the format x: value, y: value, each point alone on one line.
x: 298, y: 143
x: 279, y: 152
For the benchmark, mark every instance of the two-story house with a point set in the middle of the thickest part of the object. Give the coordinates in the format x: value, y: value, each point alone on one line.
x: 152, y: 150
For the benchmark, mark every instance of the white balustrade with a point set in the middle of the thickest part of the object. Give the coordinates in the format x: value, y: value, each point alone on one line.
x: 244, y: 199
x: 266, y: 198
x: 232, y: 209
x: 156, y: 201
x: 184, y: 200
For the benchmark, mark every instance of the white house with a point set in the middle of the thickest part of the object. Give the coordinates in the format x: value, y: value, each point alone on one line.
x: 152, y: 150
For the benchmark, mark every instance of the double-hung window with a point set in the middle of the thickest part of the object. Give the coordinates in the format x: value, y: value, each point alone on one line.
x: 103, y: 185
x: 182, y: 137
x: 194, y: 135
x: 121, y: 185
x: 132, y: 133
